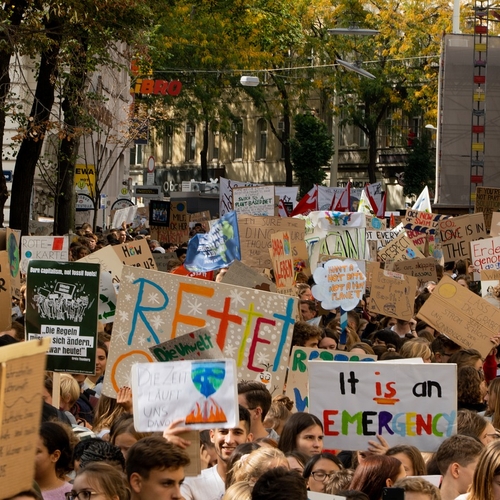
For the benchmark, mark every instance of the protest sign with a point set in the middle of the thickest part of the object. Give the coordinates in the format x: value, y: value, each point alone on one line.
x: 161, y: 260
x: 414, y: 404
x: 202, y: 393
x: 495, y: 224
x: 422, y: 222
x: 202, y: 275
x: 108, y: 259
x: 297, y: 385
x: 199, y: 344
x: 135, y: 253
x: 242, y: 275
x: 487, y: 201
x: 202, y: 218
x: 456, y: 234
x: 5, y: 293
x: 339, y: 283
x: 253, y: 327
x: 401, y: 248
x: 254, y: 200
x: 490, y: 287
x: 61, y: 303
x: 282, y: 261
x: 490, y: 274
x: 371, y: 267
x: 461, y: 315
x: 255, y: 240
x: 124, y: 216
x: 52, y: 248
x: 226, y: 193
x: 288, y: 196
x: 392, y: 294
x: 178, y: 231
x: 23, y: 366
x: 422, y: 269
x: 314, y: 495
x: 159, y: 213
x: 12, y: 247
x: 485, y: 254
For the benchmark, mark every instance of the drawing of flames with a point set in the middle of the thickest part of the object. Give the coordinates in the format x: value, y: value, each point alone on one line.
x: 207, y: 411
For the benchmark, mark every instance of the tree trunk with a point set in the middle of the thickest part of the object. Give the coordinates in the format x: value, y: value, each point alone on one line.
x: 204, y: 153
x: 31, y: 146
x: 372, y: 156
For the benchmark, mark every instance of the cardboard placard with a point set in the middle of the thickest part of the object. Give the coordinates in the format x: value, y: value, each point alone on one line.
x: 495, y: 224
x: 52, y: 248
x: 297, y: 384
x: 161, y: 259
x: 456, y: 233
x: 392, y: 294
x: 201, y: 392
x: 242, y: 275
x: 61, y: 304
x: 461, y: 315
x: 422, y: 222
x: 178, y: 232
x: 253, y: 327
x: 371, y: 267
x: 255, y: 240
x: 487, y: 201
x: 135, y: 253
x: 490, y: 275
x: 422, y: 269
x: 254, y: 200
x: 201, y: 217
x: 415, y: 404
x: 485, y: 254
x: 22, y: 368
x: 5, y: 292
x: 282, y: 261
x: 401, y: 248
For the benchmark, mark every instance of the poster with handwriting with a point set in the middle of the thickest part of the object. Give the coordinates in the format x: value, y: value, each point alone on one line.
x: 203, y: 393
x: 61, y: 304
x: 485, y: 254
x: 178, y: 232
x: 422, y: 269
x: 487, y: 201
x: 242, y: 275
x: 124, y: 215
x: 254, y: 200
x: 461, y: 315
x: 253, y: 327
x: 297, y: 385
x: 401, y: 248
x: 21, y: 385
x: 456, y: 233
x: 422, y: 222
x: 162, y: 260
x: 226, y: 193
x: 255, y: 240
x: 414, y: 404
x: 392, y: 294
x: 282, y: 260
x: 135, y: 253
x: 52, y: 248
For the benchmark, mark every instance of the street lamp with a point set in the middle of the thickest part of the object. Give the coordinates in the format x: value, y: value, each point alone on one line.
x: 249, y: 81
x: 353, y: 30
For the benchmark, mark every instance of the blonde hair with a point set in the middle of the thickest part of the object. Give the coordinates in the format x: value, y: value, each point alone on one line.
x: 494, y: 389
x: 416, y: 348
x: 69, y: 389
x: 106, y: 412
x: 339, y: 481
x: 487, y: 468
x: 250, y: 467
x: 242, y: 490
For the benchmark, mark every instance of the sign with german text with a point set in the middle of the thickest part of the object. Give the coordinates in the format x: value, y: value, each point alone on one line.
x: 52, y: 248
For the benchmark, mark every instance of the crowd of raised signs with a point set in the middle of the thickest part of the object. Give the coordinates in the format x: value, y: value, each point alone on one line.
x: 88, y: 446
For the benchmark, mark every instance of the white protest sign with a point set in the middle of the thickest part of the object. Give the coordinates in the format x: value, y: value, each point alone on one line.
x: 485, y: 254
x: 415, y: 404
x: 122, y: 215
x: 54, y: 248
x: 202, y: 393
x: 254, y: 200
x: 226, y: 193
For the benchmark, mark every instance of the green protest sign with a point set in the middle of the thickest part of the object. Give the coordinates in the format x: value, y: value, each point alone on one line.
x: 61, y: 303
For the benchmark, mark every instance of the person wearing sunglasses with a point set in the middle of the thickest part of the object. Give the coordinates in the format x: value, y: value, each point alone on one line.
x: 99, y: 481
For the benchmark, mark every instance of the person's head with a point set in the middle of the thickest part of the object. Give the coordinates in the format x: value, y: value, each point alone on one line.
x: 319, y: 469
x: 250, y: 467
x: 122, y: 236
x: 410, y: 457
x: 54, y: 450
x: 361, y: 348
x: 69, y: 391
x: 102, y: 451
x: 181, y: 254
x: 255, y: 397
x: 486, y: 479
x: 78, y: 450
x: 443, y: 348
x: 463, y: 280
x: 308, y: 309
x: 467, y: 357
x: 105, y: 480
x: 31, y: 494
x: 304, y: 291
x: 340, y: 480
x: 456, y: 459
x: 416, y: 348
x: 386, y: 338
x: 226, y: 440
x: 239, y: 451
x: 302, y: 432
x: 123, y: 434
x: 155, y: 469
x: 492, y: 399
x: 417, y: 488
x: 280, y: 484
x: 296, y: 460
x: 469, y: 385
x: 474, y: 425
x: 277, y: 416
x: 101, y: 359
x: 306, y: 335
x: 376, y: 473
x: 330, y: 339
x: 238, y: 491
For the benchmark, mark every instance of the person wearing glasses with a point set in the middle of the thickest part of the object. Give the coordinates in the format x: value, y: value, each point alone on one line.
x: 99, y: 481
x: 319, y: 469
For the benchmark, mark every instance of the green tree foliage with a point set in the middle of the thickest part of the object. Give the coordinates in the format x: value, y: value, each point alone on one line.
x: 311, y: 150
x: 420, y: 168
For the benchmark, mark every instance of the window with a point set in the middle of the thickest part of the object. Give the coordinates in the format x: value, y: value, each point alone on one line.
x: 261, y: 139
x: 190, y: 152
x: 137, y: 154
x: 168, y: 143
x: 214, y: 141
x: 237, y: 139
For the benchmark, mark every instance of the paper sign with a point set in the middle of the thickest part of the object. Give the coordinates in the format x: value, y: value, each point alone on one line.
x: 415, y: 404
x: 422, y: 269
x: 253, y: 327
x: 196, y: 345
x: 392, y: 294
x: 487, y: 201
x: 485, y: 254
x: 61, y: 303
x: 255, y: 240
x: 135, y: 253
x: 456, y: 234
x: 401, y: 248
x: 21, y: 384
x: 297, y: 384
x: 313, y: 495
x: 242, y: 275
x: 52, y: 248
x: 282, y: 260
x: 124, y: 215
x: 254, y: 200
x: 202, y: 393
x: 461, y: 315
x: 5, y: 292
x: 226, y: 193
x: 422, y: 222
